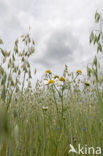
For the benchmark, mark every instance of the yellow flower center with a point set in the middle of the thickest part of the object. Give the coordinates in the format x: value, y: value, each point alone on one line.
x: 51, y: 81
x: 56, y: 76
x: 62, y: 79
x: 79, y: 72
x: 48, y: 71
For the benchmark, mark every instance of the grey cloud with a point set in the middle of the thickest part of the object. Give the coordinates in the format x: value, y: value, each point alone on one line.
x: 60, y: 48
x: 54, y: 24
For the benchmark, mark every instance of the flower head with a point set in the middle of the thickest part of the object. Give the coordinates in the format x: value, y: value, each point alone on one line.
x: 84, y: 129
x: 87, y: 83
x: 62, y: 79
x: 51, y: 81
x: 45, y: 108
x: 58, y: 129
x: 48, y: 71
x: 79, y: 71
x: 56, y: 76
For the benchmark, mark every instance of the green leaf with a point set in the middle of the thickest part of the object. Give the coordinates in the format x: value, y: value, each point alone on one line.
x: 99, y: 48
x: 95, y: 61
x: 98, y: 37
x: 1, y: 42
x: 89, y: 71
x: 16, y: 42
x: 1, y: 70
x: 91, y: 37
x: 3, y: 52
x: 97, y: 17
x: 95, y: 39
x: 3, y: 79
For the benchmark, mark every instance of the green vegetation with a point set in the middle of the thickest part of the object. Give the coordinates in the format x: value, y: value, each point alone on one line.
x: 57, y: 112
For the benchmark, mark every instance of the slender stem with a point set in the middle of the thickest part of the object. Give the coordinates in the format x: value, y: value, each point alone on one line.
x: 74, y: 78
x: 44, y: 140
x: 62, y: 103
x: 55, y: 101
x: 61, y: 97
x: 23, y: 82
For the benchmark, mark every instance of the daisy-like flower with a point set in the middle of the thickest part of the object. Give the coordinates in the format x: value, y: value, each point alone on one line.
x: 79, y: 71
x: 48, y: 71
x: 87, y: 83
x: 45, y: 108
x: 62, y: 79
x: 51, y: 81
x: 56, y: 76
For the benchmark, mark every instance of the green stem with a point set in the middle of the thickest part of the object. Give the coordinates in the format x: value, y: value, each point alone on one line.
x: 55, y: 101
x: 61, y: 97
x: 44, y: 140
x: 62, y: 103
x: 74, y: 78
x: 23, y: 82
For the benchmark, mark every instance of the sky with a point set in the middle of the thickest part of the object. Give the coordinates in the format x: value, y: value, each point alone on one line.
x: 60, y: 29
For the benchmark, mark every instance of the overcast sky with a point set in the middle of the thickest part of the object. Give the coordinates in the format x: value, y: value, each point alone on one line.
x: 60, y: 29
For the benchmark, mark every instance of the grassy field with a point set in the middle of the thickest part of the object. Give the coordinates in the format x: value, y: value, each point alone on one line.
x: 45, y: 120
